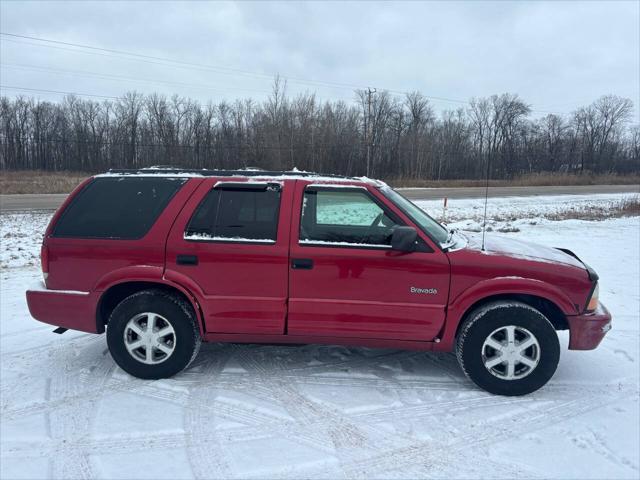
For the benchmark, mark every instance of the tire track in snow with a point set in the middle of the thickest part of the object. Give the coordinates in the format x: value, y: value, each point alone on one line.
x: 316, y: 425
x: 348, y: 439
x: 207, y: 455
x: 540, y: 418
x: 73, y: 426
x: 176, y: 441
x: 598, y: 445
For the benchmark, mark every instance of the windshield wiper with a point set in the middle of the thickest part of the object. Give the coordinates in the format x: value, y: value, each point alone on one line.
x: 447, y: 243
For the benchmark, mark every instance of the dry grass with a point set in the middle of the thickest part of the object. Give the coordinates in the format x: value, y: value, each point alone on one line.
x: 38, y: 181
x: 629, y: 207
x: 626, y: 207
x: 536, y: 179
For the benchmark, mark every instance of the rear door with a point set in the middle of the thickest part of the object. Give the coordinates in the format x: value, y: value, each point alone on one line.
x: 230, y: 244
x: 345, y: 281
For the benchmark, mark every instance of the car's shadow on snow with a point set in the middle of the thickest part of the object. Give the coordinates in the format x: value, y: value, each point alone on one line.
x: 84, y: 362
x: 332, y: 363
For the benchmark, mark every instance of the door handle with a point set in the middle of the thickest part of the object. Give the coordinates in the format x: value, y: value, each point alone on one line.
x: 187, y: 260
x: 302, y: 264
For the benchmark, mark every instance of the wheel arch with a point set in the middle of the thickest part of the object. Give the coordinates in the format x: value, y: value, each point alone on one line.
x: 553, y: 308
x: 117, y: 292
x: 545, y: 306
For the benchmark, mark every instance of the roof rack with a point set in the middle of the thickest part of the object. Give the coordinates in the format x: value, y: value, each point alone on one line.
x: 162, y: 170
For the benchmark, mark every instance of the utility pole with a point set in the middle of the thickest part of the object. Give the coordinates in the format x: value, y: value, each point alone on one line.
x: 367, y: 128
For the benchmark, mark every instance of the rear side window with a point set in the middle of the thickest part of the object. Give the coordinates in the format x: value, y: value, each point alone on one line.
x: 237, y: 214
x: 118, y: 207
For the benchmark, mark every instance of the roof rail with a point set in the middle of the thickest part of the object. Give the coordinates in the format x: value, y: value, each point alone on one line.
x: 162, y: 170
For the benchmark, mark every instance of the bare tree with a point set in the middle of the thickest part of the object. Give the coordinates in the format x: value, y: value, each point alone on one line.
x: 404, y: 137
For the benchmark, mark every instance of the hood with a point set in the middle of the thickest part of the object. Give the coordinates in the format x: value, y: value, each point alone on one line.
x: 510, y: 247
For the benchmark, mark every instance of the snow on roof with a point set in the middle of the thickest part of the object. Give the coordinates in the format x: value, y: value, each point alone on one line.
x: 254, y: 174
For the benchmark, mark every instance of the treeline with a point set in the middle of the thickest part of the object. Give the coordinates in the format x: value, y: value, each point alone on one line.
x: 394, y: 136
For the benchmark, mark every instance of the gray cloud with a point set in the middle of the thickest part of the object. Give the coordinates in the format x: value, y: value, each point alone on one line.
x: 557, y: 56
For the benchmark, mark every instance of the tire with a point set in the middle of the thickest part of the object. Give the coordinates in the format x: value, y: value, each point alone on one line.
x: 130, y: 340
x: 521, y: 370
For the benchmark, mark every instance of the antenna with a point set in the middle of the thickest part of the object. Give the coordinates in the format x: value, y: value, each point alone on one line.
x: 486, y: 198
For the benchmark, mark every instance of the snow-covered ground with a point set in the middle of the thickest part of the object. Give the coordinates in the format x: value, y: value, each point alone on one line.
x: 507, y: 214
x: 247, y: 411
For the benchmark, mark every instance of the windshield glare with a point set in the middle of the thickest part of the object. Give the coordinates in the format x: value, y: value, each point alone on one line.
x: 424, y: 221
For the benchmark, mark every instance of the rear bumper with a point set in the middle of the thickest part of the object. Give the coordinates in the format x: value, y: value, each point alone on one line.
x: 587, y: 331
x: 72, y: 310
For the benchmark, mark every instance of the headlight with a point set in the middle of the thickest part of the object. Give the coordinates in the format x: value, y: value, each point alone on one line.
x: 593, y: 301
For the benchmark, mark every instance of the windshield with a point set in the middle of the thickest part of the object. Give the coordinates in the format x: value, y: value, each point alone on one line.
x: 424, y: 221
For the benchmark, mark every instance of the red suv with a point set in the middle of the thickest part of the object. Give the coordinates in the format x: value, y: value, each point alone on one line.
x: 164, y: 259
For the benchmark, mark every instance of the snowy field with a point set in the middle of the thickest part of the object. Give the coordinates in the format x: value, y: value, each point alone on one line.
x: 247, y: 411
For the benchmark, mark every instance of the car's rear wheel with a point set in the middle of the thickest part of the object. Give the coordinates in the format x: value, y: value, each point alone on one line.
x: 508, y: 348
x: 153, y: 334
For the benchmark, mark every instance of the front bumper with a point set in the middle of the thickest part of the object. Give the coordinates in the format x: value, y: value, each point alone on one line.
x: 63, y: 308
x: 588, y: 330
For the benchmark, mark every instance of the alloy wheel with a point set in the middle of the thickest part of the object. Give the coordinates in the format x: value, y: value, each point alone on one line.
x: 511, y: 352
x: 149, y: 338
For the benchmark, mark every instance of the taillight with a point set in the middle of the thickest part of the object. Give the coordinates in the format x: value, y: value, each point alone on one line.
x: 44, y: 260
x: 593, y: 301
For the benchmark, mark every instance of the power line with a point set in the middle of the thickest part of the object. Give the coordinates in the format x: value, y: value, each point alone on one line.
x: 107, y: 76
x: 289, y: 134
x: 140, y: 60
x: 121, y: 78
x: 9, y: 87
x: 225, y: 70
x: 59, y: 92
x: 218, y: 68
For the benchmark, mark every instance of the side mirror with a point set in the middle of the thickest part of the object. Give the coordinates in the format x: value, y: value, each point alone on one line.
x: 404, y: 239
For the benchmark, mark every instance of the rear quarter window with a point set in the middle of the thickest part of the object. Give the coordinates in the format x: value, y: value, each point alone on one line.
x: 118, y: 207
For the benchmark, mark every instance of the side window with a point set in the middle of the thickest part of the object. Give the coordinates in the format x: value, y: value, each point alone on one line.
x: 237, y: 214
x: 117, y: 207
x: 345, y: 216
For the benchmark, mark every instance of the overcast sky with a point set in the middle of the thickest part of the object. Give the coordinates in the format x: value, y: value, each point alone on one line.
x: 555, y: 55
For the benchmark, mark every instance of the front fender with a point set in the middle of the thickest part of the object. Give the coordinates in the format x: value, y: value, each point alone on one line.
x: 493, y: 287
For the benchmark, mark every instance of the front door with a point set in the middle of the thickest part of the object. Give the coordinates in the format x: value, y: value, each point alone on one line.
x: 345, y: 281
x: 231, y: 245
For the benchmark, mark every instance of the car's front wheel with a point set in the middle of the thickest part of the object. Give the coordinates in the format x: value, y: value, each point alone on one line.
x: 153, y: 334
x: 508, y: 348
